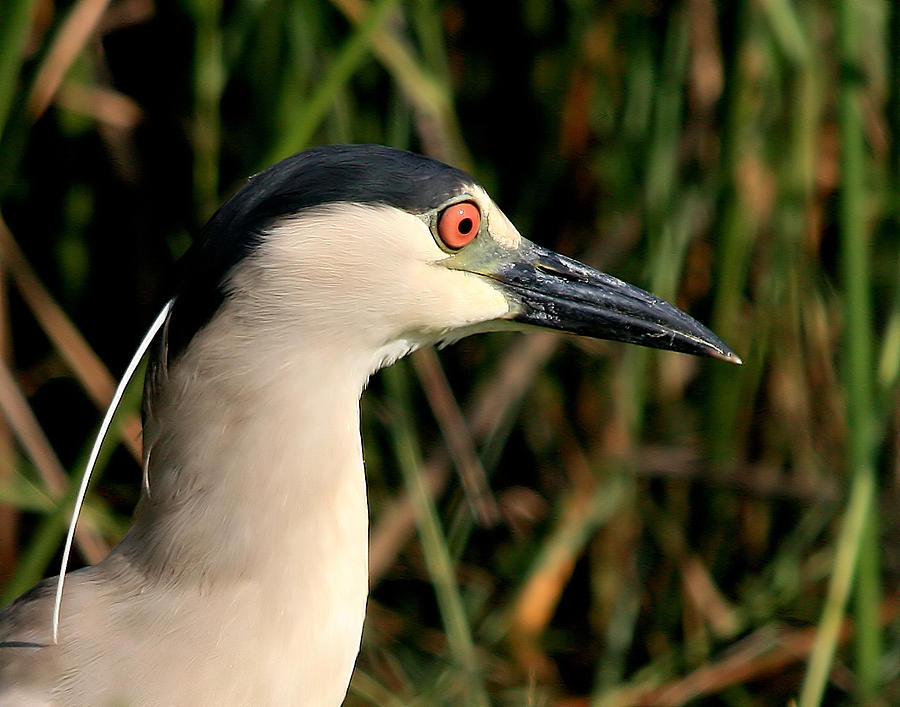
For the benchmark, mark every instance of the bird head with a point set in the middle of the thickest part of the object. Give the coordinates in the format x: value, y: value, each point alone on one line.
x: 372, y: 247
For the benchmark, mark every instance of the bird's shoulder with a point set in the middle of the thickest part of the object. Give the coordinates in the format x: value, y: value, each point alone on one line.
x: 27, y: 653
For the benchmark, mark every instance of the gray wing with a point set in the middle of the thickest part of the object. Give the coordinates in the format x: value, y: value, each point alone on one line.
x: 29, y: 662
x: 80, y: 669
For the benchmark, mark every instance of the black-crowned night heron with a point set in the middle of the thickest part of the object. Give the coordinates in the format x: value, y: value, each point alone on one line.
x: 243, y: 579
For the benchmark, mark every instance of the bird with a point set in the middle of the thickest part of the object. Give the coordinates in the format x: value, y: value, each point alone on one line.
x: 243, y: 578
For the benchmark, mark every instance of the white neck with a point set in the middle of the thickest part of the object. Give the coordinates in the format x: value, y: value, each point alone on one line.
x: 261, y: 510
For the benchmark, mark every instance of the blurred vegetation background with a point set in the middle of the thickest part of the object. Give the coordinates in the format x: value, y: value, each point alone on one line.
x: 632, y: 527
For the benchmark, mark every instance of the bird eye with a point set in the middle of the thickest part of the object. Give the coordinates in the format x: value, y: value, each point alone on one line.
x: 459, y: 224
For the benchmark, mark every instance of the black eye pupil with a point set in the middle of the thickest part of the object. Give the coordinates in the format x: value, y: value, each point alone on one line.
x: 465, y: 226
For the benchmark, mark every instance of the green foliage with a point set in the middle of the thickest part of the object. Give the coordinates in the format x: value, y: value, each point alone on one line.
x: 657, y: 529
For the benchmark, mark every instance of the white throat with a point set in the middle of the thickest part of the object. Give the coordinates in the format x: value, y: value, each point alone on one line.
x: 261, y: 511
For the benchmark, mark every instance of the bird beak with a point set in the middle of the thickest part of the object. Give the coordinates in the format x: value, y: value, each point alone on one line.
x: 552, y: 291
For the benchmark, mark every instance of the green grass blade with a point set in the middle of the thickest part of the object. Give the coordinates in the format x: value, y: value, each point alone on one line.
x: 15, y: 21
x: 858, y: 542
x: 434, y: 543
x: 209, y: 82
x: 352, y: 54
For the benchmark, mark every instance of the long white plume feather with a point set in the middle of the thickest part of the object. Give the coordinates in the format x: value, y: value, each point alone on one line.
x: 95, y: 452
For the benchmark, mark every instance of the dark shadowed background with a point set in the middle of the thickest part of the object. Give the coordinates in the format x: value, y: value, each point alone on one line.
x: 638, y: 527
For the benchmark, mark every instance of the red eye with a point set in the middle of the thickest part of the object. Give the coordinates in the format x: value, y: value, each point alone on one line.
x: 459, y: 224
